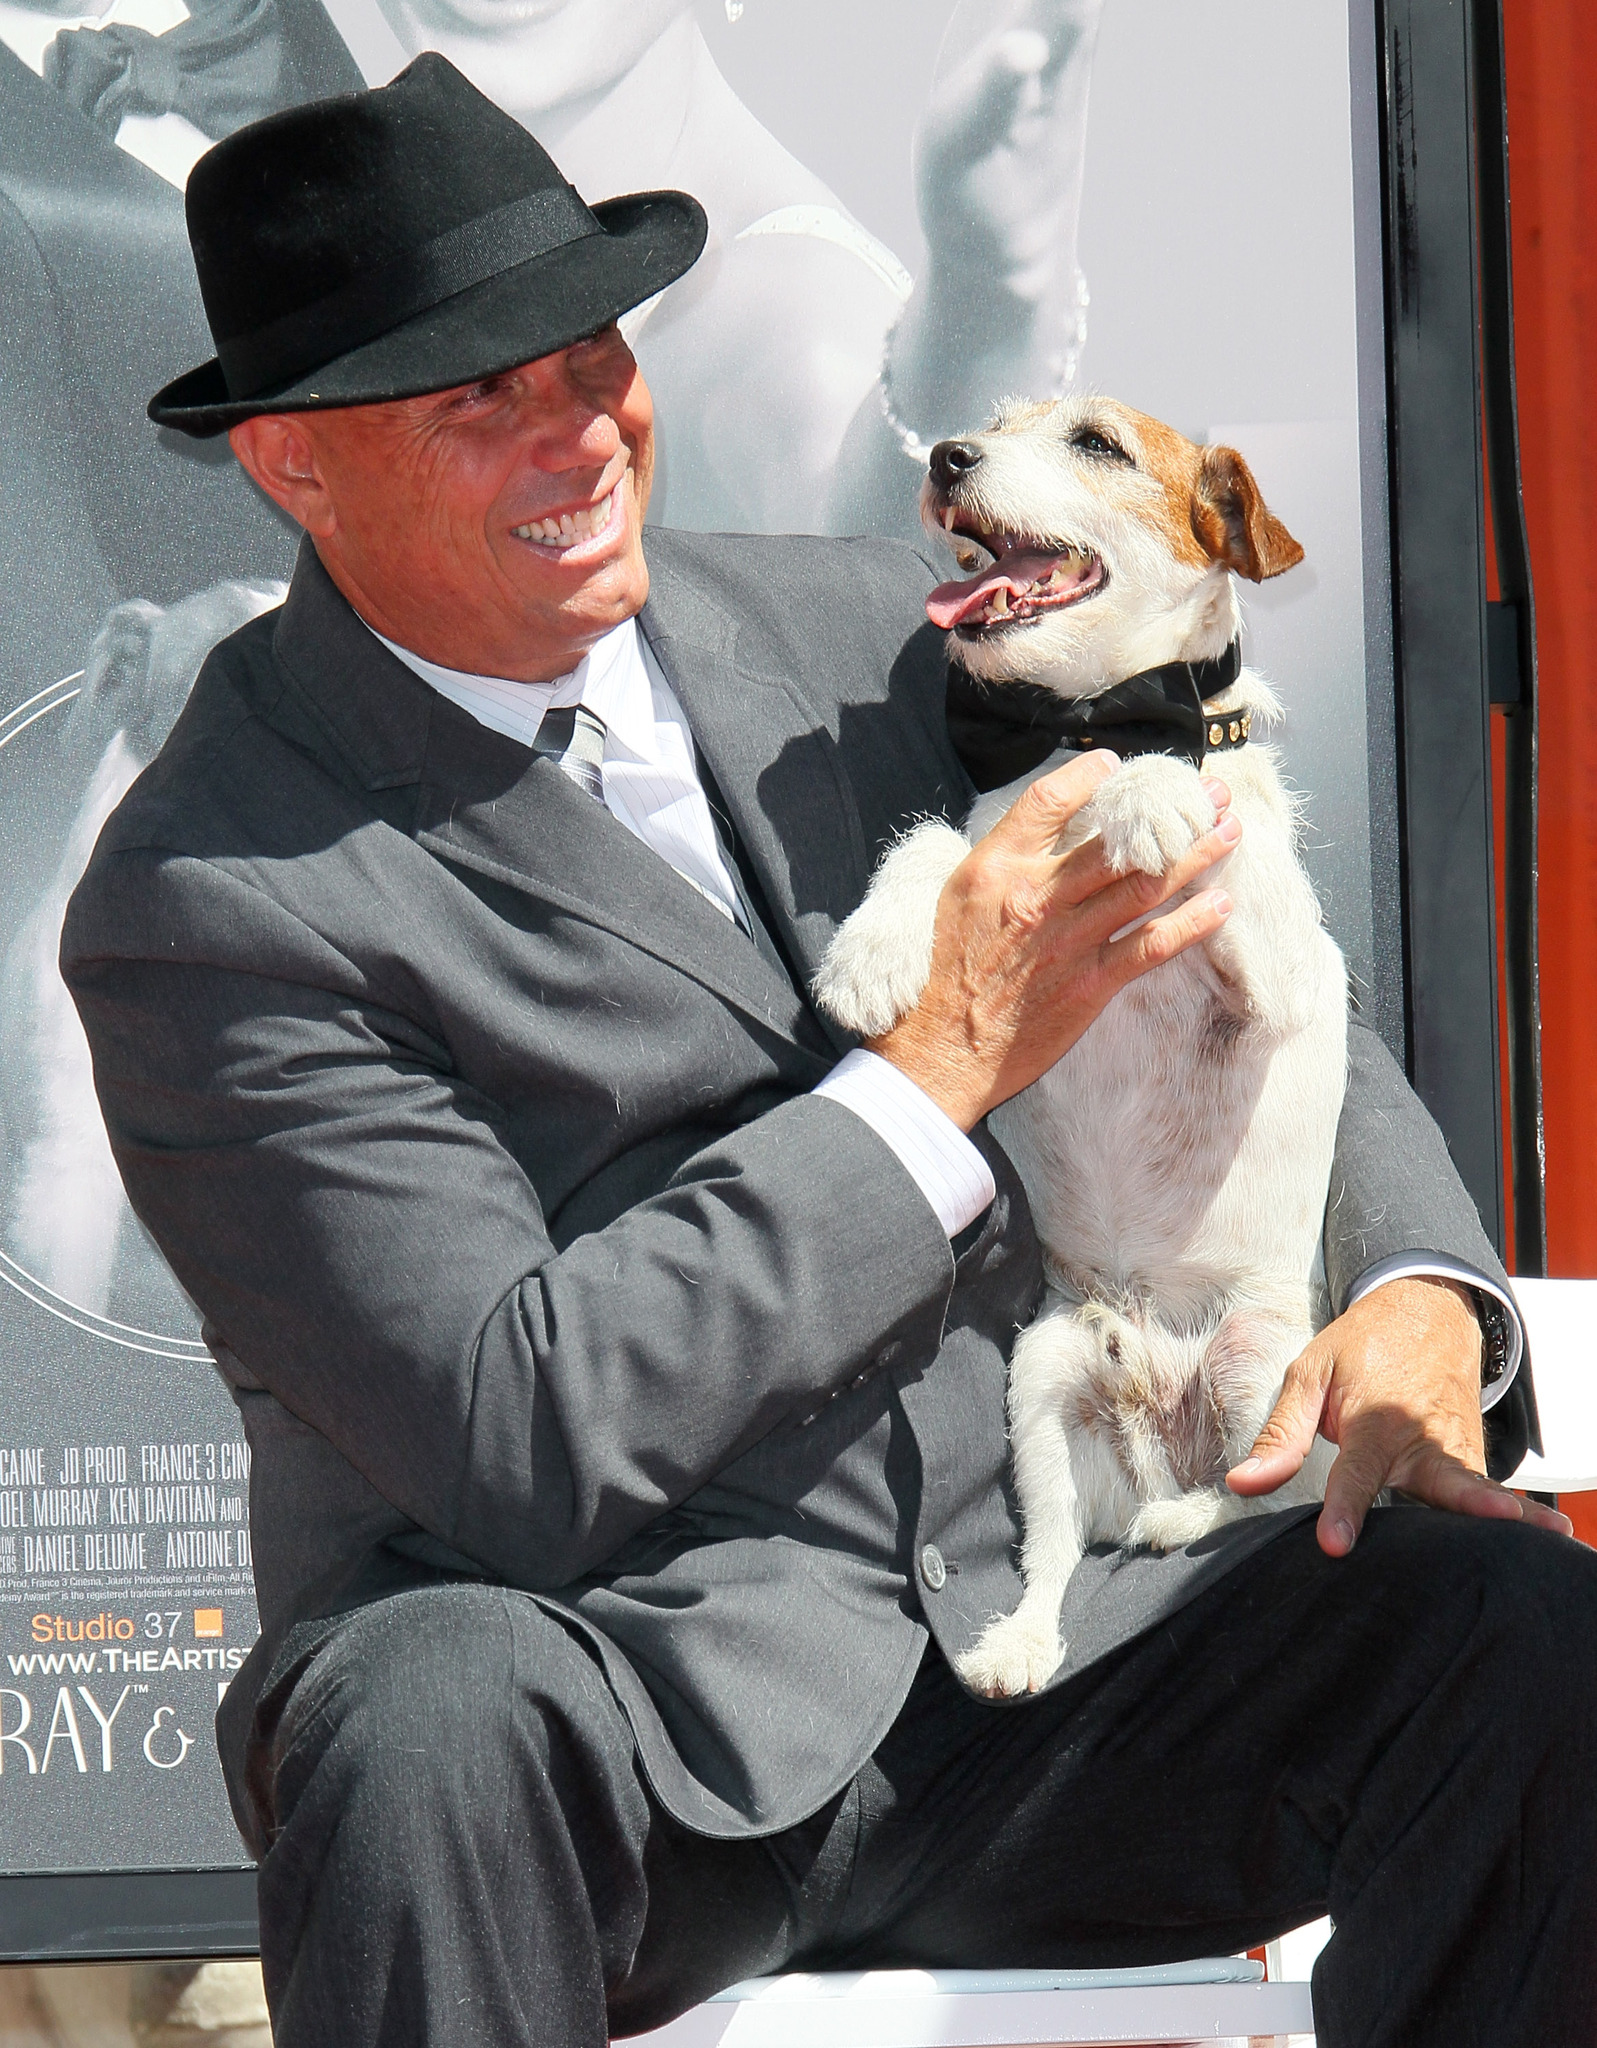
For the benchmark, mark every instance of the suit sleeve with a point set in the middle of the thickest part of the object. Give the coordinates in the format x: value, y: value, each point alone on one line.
x: 349, y: 1216
x: 1394, y: 1189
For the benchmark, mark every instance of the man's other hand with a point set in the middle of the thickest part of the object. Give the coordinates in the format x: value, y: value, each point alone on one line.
x: 1395, y: 1383
x: 1032, y: 943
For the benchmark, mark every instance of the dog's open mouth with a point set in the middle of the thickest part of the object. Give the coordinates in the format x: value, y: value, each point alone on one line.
x: 1017, y: 578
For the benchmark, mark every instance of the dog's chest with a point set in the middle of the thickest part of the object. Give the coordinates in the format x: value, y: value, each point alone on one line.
x: 1128, y: 1145
x: 1180, y: 1145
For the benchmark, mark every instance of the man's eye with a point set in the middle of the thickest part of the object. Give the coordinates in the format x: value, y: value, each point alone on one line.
x: 1091, y: 442
x: 602, y: 343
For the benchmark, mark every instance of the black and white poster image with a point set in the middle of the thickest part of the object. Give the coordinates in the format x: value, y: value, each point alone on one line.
x: 125, y: 1586
x: 916, y: 208
x: 789, y: 365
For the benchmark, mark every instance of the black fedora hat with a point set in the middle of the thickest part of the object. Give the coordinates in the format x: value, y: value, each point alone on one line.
x: 387, y: 243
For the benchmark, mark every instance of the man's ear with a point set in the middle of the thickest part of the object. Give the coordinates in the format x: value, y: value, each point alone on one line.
x: 1232, y: 522
x: 279, y: 453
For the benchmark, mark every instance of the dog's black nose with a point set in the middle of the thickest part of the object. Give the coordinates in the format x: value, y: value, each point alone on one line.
x: 951, y: 459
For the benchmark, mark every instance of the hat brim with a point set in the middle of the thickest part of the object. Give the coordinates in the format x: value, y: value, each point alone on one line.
x: 531, y: 310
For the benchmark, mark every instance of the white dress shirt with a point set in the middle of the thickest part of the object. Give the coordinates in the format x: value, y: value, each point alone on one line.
x: 651, y: 785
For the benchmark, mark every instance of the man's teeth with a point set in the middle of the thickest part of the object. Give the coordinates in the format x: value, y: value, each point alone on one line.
x: 571, y: 529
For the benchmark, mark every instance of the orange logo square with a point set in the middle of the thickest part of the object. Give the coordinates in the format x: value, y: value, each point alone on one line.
x: 208, y: 1621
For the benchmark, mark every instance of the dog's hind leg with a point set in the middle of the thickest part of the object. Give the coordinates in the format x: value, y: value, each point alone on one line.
x: 1020, y: 1652
x: 1172, y: 1524
x: 879, y: 961
x: 1240, y: 1379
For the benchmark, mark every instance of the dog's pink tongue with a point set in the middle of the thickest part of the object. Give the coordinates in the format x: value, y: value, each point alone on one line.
x: 951, y: 602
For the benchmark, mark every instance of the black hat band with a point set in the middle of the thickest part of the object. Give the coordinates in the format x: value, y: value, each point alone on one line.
x: 375, y: 301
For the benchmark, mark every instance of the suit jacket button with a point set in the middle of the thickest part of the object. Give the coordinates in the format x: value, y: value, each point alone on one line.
x: 932, y: 1568
x: 887, y: 1354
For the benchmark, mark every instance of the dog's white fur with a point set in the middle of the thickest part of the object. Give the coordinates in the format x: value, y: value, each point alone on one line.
x: 1177, y: 1159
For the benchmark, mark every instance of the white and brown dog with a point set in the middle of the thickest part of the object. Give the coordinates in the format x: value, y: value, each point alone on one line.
x: 1177, y: 1159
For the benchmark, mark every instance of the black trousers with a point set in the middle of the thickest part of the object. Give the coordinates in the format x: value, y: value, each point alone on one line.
x: 464, y: 1851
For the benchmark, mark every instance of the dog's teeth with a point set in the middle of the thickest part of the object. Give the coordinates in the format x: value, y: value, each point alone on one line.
x: 1001, y: 599
x: 1056, y: 577
x: 948, y: 518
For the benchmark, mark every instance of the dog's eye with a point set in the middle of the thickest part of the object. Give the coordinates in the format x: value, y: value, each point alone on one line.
x: 1091, y: 442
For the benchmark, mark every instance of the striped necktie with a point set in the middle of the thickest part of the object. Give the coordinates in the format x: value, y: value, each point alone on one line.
x: 572, y: 737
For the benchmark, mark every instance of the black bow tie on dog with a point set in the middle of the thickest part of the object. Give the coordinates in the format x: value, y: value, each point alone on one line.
x: 1004, y: 730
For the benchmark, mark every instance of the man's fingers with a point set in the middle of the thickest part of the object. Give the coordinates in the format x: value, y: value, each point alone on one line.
x: 1287, y: 1438
x: 1036, y: 818
x: 1540, y: 1516
x: 1118, y: 901
x: 1363, y: 1466
x: 1445, y: 1482
x: 1162, y: 938
x: 1218, y: 794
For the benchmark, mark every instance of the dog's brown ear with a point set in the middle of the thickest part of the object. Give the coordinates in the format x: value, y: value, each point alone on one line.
x: 1232, y: 522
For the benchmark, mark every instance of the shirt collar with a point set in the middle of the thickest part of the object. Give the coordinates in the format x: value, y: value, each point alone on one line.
x: 611, y: 680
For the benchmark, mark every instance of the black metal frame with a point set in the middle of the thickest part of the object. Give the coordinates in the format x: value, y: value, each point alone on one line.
x: 1449, y: 364
x: 126, y: 1915
x: 1511, y: 644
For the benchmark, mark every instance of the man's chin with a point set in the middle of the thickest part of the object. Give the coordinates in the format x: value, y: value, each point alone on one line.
x: 590, y: 605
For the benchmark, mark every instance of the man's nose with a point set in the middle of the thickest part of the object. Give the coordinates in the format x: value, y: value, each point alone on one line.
x: 569, y: 427
x: 951, y: 460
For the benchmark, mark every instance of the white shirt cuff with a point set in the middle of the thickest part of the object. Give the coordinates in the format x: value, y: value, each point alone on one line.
x: 933, y: 1150
x: 1438, y: 1266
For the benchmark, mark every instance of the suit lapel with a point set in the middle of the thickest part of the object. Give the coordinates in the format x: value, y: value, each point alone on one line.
x: 475, y: 798
x: 511, y: 815
x: 775, y: 761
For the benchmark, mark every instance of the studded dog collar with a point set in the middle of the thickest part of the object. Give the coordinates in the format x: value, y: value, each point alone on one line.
x: 1003, y: 730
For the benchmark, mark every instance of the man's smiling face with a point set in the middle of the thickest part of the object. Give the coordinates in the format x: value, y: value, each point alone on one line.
x: 495, y: 528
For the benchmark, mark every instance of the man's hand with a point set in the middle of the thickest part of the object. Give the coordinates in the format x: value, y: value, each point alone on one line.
x: 1026, y: 954
x: 998, y: 151
x: 1396, y: 1384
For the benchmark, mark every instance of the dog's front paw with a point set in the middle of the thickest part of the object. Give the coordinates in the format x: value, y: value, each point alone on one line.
x: 1148, y: 813
x: 1018, y: 1653
x: 877, y: 965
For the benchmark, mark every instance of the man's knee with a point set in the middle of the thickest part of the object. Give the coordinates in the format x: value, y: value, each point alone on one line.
x: 1543, y: 1608
x: 1531, y: 1596
x: 437, y: 1706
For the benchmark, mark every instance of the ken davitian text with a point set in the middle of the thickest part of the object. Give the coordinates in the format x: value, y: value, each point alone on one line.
x: 93, y: 1509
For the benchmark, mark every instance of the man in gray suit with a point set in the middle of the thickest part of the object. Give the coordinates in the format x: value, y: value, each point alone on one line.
x: 623, y: 1351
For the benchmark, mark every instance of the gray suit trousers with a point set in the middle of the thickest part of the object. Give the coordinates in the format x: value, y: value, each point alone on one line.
x: 464, y: 1848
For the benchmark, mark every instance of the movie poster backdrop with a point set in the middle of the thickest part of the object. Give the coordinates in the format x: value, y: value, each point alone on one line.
x: 916, y: 207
